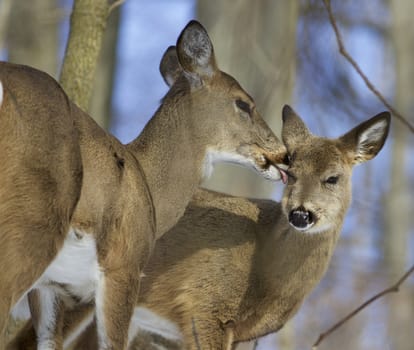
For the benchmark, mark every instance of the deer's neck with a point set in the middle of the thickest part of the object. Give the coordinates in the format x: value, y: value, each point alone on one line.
x: 291, y: 259
x: 287, y: 265
x: 171, y: 155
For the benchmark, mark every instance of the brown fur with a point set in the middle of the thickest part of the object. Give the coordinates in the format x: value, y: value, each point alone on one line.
x: 132, y: 194
x: 234, y: 269
x: 40, y: 177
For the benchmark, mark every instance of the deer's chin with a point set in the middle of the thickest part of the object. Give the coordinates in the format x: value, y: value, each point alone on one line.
x: 313, y: 229
x: 258, y: 162
x: 304, y: 229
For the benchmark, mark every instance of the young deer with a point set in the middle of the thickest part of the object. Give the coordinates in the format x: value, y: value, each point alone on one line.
x: 130, y: 195
x: 234, y: 269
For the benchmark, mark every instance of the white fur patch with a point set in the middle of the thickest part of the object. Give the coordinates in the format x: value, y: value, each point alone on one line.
x: 373, y: 134
x: 1, y: 93
x: 75, y: 266
x: 212, y: 157
x: 315, y: 229
x: 100, y: 316
x: 145, y: 319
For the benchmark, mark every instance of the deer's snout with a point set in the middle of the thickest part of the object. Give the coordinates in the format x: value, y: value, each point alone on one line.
x: 301, y: 219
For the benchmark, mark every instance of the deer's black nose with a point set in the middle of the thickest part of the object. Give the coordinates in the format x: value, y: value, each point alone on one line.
x: 301, y: 218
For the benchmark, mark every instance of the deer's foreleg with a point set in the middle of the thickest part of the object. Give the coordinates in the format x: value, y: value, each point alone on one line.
x: 115, y: 299
x: 118, y: 285
x: 47, y: 310
x: 228, y: 339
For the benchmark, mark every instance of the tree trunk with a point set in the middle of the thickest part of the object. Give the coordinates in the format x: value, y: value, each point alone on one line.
x: 101, y: 103
x: 87, y: 25
x: 33, y: 34
x: 255, y: 42
x: 5, y: 8
x: 399, y: 203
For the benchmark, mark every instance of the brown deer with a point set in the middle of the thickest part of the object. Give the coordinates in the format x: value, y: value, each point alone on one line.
x: 130, y: 194
x: 235, y: 269
x: 40, y: 178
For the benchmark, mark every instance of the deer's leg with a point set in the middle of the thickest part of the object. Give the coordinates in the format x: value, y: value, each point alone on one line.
x: 33, y: 225
x: 22, y: 262
x: 4, y: 314
x: 115, y: 298
x: 228, y: 338
x: 20, y: 274
x: 76, y: 321
x: 47, y: 310
x: 118, y: 284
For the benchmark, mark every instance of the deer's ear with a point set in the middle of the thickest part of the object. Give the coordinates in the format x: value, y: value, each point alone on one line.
x: 195, y: 53
x: 366, y: 140
x: 170, y: 67
x: 294, y: 129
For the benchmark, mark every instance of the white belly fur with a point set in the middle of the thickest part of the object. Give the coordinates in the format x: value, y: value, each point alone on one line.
x: 75, y: 267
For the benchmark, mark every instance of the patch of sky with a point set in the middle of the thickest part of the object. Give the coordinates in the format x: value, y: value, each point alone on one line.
x: 147, y: 29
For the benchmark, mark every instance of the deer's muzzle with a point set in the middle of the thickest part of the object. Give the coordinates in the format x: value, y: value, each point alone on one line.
x: 301, y: 218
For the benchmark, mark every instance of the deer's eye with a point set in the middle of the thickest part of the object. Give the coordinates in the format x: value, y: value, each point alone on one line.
x: 244, y: 107
x: 332, y: 180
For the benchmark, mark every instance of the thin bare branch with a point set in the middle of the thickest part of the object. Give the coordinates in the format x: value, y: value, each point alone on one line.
x: 114, y: 5
x: 393, y: 289
x: 358, y: 69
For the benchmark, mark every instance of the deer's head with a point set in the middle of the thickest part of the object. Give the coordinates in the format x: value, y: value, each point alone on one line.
x: 215, y: 104
x: 318, y: 192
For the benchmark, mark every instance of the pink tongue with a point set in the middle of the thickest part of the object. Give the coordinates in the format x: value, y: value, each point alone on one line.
x: 283, y: 176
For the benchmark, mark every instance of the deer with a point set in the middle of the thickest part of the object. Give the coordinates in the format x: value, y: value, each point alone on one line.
x: 234, y: 269
x: 126, y: 196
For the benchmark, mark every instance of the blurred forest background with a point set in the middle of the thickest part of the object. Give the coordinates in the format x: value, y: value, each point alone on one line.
x: 281, y: 52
